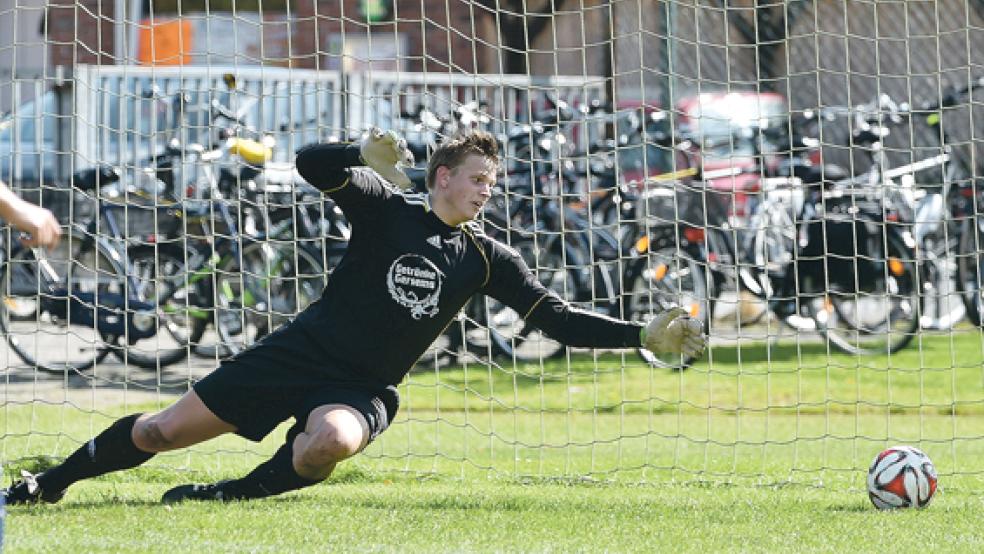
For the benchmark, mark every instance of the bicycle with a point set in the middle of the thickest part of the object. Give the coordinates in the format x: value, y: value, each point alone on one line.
x: 930, y: 194
x: 822, y: 257
x: 66, y: 310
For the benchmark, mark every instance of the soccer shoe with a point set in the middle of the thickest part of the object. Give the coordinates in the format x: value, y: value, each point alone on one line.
x: 215, y: 492
x: 28, y: 491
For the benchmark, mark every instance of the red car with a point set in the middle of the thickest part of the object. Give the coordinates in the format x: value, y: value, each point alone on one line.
x: 739, y: 137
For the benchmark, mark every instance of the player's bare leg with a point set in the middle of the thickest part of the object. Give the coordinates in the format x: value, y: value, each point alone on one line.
x: 332, y: 433
x: 127, y: 443
x: 184, y: 423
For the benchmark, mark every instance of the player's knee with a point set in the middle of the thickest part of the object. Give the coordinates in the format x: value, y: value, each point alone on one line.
x: 331, y: 442
x: 150, y: 435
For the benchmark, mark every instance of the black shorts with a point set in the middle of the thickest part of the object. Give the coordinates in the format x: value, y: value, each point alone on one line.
x: 279, y: 378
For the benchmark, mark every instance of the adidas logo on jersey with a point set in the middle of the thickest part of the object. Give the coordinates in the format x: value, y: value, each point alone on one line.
x: 435, y: 241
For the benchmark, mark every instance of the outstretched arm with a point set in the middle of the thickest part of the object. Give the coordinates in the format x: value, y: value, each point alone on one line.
x: 573, y: 326
x: 511, y: 282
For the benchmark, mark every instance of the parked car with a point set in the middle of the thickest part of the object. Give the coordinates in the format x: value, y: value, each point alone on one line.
x: 642, y: 144
x: 737, y: 132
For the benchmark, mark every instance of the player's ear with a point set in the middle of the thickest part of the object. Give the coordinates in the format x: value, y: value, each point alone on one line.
x: 443, y: 174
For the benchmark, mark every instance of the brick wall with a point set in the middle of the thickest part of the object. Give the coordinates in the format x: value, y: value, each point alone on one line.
x: 456, y: 39
x: 460, y: 39
x: 80, y: 31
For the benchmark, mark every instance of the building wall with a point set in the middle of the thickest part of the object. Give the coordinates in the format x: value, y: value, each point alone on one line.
x: 433, y: 35
x: 22, y: 50
x: 80, y: 31
x: 836, y: 51
x: 456, y: 39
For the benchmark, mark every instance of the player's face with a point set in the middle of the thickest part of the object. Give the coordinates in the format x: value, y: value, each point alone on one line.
x: 467, y: 188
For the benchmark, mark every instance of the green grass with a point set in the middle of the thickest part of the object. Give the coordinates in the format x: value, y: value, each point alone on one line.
x: 586, y: 454
x: 440, y: 515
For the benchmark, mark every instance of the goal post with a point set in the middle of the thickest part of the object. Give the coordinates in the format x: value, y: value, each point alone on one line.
x: 802, y: 176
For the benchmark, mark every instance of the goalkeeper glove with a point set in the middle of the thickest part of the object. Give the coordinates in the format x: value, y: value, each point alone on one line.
x: 384, y: 152
x: 674, y: 332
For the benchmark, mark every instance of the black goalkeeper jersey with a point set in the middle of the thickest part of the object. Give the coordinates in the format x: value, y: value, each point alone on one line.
x: 407, y: 274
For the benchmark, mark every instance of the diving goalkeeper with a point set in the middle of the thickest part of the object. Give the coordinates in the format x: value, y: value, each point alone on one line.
x: 413, y: 261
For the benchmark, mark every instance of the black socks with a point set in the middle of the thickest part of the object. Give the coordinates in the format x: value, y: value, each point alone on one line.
x: 111, y: 450
x: 274, y: 476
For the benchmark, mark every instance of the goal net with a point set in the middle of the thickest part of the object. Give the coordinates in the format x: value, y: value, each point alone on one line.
x: 803, y: 177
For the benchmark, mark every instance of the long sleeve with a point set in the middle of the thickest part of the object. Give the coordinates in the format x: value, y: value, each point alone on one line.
x: 325, y: 166
x: 576, y: 327
x: 333, y: 169
x: 512, y: 283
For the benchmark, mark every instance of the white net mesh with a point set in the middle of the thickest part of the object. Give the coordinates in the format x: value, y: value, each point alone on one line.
x: 802, y: 176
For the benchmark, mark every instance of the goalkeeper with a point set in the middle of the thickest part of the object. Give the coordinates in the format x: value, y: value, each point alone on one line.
x: 413, y: 261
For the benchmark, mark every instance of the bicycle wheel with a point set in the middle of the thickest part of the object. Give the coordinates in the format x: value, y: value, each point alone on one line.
x: 884, y: 317
x: 48, y: 320
x: 272, y: 284
x: 510, y: 336
x: 180, y: 318
x: 469, y: 337
x: 666, y: 278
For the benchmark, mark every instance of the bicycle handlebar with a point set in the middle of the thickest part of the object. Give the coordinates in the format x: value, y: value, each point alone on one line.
x: 953, y: 96
x: 225, y: 112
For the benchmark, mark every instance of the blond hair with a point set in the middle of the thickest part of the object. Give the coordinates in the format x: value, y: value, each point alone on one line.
x: 452, y: 153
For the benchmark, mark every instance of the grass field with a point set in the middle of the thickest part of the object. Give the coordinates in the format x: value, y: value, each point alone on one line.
x: 586, y: 454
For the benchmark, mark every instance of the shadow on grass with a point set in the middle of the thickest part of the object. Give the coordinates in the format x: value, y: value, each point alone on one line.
x: 451, y: 503
x: 586, y: 366
x: 758, y: 352
x: 67, y: 506
x: 853, y: 508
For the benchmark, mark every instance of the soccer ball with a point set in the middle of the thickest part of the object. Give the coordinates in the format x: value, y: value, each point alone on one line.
x: 901, y: 477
